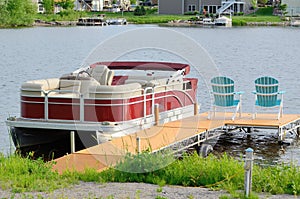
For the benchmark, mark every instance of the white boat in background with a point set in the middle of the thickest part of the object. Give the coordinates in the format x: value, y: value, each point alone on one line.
x: 208, y: 21
x: 120, y: 21
x: 223, y: 21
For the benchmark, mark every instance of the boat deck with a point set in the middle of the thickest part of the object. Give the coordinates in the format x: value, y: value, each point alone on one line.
x: 173, y: 134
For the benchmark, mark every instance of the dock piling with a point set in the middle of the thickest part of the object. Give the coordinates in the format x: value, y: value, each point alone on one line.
x: 196, y: 109
x: 248, y: 171
x: 138, y: 145
x: 156, y: 114
x: 72, y: 135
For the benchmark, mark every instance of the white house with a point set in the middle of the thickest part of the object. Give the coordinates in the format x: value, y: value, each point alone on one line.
x: 41, y: 9
x: 92, y: 5
x: 293, y: 7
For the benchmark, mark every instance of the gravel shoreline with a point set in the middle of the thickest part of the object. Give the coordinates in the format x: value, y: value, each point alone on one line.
x: 129, y: 190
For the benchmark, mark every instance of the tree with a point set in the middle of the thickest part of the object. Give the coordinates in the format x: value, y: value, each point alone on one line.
x: 143, y: 11
x: 254, y: 5
x: 139, y: 11
x: 66, y: 4
x: 283, y: 8
x: 264, y: 2
x: 49, y: 6
x: 17, y: 13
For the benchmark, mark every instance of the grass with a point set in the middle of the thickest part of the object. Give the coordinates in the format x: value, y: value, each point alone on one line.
x: 150, y: 18
x: 261, y: 15
x: 23, y: 174
x: 224, y: 172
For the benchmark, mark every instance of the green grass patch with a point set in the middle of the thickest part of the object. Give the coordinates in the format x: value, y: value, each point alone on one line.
x: 224, y: 172
x: 150, y: 18
x: 261, y: 15
x: 23, y: 175
x: 267, y: 11
x: 256, y: 19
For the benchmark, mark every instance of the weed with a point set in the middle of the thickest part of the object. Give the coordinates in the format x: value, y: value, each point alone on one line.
x: 137, y: 194
x: 159, y: 190
x: 191, y: 197
x: 160, y: 197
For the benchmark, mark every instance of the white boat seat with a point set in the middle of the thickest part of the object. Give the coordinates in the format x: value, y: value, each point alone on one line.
x: 69, y: 85
x: 86, y: 84
x: 165, y: 84
x: 140, y: 81
x: 115, y: 91
x: 100, y: 73
x: 110, y: 77
x: 38, y: 87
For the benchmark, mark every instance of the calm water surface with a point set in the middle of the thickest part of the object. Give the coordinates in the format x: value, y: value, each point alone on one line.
x: 241, y: 53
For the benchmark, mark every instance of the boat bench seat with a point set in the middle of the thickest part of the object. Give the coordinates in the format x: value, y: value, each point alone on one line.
x: 115, y: 91
x: 38, y: 87
x: 60, y: 87
x: 143, y: 80
x: 159, y: 83
x: 165, y: 84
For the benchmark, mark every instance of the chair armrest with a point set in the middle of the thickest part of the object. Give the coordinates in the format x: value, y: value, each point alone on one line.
x: 281, y: 92
x: 254, y: 92
x: 239, y: 92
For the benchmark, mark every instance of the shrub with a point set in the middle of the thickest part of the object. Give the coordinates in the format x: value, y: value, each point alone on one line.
x: 191, y: 13
x: 239, y: 22
x: 139, y: 11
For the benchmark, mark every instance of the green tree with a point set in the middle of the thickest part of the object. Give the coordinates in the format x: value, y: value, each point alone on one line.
x: 17, y: 13
x: 143, y: 11
x: 3, y: 12
x: 49, y: 6
x: 264, y: 2
x: 254, y: 5
x: 283, y: 8
x: 139, y: 11
x: 66, y: 4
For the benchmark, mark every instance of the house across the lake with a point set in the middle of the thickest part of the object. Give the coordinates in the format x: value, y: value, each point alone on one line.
x: 88, y: 5
x: 293, y: 7
x: 203, y: 6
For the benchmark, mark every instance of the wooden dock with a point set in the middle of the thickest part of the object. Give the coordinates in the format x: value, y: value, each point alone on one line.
x: 173, y: 134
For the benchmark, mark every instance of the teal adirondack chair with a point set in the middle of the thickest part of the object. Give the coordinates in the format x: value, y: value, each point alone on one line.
x: 267, y: 95
x: 224, y: 96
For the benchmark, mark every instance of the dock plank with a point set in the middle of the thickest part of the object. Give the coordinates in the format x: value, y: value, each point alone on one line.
x: 109, y: 153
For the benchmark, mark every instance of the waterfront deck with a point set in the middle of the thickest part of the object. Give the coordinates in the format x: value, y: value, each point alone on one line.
x: 176, y: 135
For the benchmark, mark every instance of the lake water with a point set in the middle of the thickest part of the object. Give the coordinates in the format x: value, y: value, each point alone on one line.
x: 240, y: 53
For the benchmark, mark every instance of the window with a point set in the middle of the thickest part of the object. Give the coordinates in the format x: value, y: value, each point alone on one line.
x: 40, y: 8
x: 192, y: 8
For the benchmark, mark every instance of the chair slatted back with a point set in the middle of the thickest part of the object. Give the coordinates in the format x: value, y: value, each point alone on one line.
x: 223, y: 91
x: 266, y: 90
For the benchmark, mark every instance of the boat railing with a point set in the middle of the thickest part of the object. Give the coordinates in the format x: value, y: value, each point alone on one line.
x: 46, y: 102
x: 149, y: 91
x: 143, y: 98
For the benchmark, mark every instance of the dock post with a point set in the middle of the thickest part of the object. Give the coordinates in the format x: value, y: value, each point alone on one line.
x: 156, y: 114
x: 138, y: 145
x: 196, y: 109
x: 248, y: 171
x: 72, y: 135
x: 281, y: 135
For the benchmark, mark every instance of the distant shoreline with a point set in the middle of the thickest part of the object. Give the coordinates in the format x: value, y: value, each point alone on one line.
x: 39, y: 23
